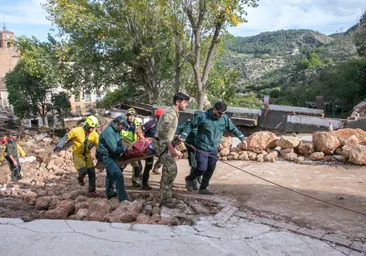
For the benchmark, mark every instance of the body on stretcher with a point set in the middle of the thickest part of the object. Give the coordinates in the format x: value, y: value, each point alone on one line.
x: 141, y: 149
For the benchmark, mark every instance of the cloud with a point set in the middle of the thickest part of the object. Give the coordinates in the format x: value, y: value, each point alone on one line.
x: 24, y: 12
x: 326, y: 16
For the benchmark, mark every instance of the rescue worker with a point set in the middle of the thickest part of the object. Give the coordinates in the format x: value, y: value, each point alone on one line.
x: 11, y: 156
x: 191, y: 151
x: 129, y: 136
x: 20, y: 152
x: 84, y: 138
x: 149, y: 129
x: 109, y: 150
x: 211, y: 126
x: 162, y: 144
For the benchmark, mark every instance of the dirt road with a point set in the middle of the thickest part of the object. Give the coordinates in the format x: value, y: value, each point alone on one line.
x: 341, y: 185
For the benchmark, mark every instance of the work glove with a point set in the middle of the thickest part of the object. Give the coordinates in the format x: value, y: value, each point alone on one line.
x: 91, y: 145
x: 57, y: 149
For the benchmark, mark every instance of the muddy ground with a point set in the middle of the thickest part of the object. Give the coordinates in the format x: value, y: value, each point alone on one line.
x: 344, y: 185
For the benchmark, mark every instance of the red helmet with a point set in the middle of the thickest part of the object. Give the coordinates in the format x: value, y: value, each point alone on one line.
x: 159, y: 112
x: 5, y: 140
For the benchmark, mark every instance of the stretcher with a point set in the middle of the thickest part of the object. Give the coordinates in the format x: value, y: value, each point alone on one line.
x: 141, y: 149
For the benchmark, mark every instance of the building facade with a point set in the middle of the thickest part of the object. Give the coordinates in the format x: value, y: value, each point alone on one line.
x: 9, y: 57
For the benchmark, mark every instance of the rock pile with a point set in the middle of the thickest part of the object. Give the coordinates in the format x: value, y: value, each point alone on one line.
x: 346, y: 145
x: 50, y: 186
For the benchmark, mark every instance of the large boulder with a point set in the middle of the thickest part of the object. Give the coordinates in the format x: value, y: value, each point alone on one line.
x: 43, y: 203
x: 357, y: 155
x: 126, y: 212
x: 242, y: 146
x: 58, y: 213
x: 288, y: 142
x: 81, y: 205
x: 351, y: 141
x: 259, y: 141
x: 81, y: 214
x: 325, y: 142
x: 98, y: 208
x: 66, y: 205
x: 344, y: 134
x: 306, y: 148
x: 30, y: 197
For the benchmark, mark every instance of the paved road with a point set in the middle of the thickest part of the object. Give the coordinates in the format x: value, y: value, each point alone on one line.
x: 242, y: 237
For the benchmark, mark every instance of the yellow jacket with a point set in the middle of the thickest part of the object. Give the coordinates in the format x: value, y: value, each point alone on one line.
x: 19, y: 149
x: 81, y: 142
x: 133, y: 133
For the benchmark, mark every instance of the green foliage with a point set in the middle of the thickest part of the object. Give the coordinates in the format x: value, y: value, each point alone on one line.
x: 222, y: 83
x: 342, y: 84
x: 61, y: 104
x: 114, y: 42
x: 304, y: 63
x: 248, y: 100
x: 359, y: 39
x: 26, y: 93
x: 328, y: 61
x: 311, y: 61
x: 129, y: 93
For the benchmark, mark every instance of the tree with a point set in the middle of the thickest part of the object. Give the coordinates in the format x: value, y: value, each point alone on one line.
x: 359, y: 36
x: 113, y: 42
x: 27, y: 94
x: 61, y: 104
x: 207, y: 21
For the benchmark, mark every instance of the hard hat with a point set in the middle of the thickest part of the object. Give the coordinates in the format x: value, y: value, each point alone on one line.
x: 159, y: 112
x: 5, y: 140
x: 138, y: 121
x: 131, y: 111
x: 91, y: 121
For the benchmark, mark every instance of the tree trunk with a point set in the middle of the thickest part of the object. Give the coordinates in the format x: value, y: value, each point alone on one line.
x: 177, y: 67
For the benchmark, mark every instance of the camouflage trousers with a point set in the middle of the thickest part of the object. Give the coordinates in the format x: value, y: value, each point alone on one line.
x: 168, y: 176
x: 170, y: 169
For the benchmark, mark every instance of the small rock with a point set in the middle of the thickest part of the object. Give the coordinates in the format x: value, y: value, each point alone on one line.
x: 156, y: 211
x: 316, y: 156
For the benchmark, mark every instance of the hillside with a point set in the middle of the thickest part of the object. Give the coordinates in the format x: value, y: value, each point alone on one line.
x: 293, y: 41
x: 268, y: 58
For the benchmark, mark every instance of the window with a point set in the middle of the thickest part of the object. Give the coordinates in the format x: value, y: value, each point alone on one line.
x: 8, y: 45
x: 77, y: 98
x: 78, y: 110
x: 1, y: 44
x: 87, y: 97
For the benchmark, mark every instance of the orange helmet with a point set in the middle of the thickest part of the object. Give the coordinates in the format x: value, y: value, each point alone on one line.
x: 159, y: 112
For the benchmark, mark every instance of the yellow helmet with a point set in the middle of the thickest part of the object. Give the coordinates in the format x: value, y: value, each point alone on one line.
x: 131, y: 111
x: 91, y: 121
x: 138, y: 121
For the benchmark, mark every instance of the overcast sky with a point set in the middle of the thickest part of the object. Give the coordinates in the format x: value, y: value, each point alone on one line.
x: 26, y: 17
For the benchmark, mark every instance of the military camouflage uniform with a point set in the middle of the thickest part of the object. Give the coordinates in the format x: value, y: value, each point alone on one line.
x: 165, y: 131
